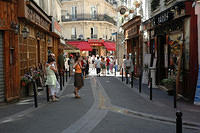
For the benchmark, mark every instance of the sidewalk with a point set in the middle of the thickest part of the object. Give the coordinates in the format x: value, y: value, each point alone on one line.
x: 26, y: 103
x: 190, y: 111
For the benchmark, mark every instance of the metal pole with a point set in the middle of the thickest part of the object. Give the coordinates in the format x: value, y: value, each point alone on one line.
x: 66, y: 75
x: 126, y: 77
x: 122, y: 74
x: 140, y: 83
x: 35, y: 94
x: 47, y: 93
x: 115, y: 69
x: 178, y: 122
x: 174, y: 95
x: 150, y: 88
x: 63, y: 75
x: 69, y: 72
x: 131, y: 79
x: 60, y: 81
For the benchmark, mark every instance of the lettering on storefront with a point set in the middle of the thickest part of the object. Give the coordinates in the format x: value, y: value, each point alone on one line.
x: 131, y: 32
x: 56, y: 27
x: 96, y: 44
x: 36, y: 18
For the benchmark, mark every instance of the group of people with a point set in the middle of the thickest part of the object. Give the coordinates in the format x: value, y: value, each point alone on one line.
x: 101, y: 64
x: 81, y: 66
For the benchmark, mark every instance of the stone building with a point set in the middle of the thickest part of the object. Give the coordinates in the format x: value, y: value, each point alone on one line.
x: 93, y: 20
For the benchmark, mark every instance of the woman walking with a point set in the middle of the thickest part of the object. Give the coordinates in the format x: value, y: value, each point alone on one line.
x: 103, y: 62
x: 51, y: 78
x: 78, y: 77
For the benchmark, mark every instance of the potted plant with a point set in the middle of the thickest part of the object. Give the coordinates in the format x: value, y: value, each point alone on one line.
x: 169, y: 84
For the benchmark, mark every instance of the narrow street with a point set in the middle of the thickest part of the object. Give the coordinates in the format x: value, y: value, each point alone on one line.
x: 106, y: 105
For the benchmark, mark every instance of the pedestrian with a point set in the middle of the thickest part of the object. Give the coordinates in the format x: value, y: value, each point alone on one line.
x: 127, y: 65
x: 83, y: 63
x: 87, y: 67
x: 111, y: 65
x: 71, y: 63
x: 61, y: 63
x: 108, y: 64
x: 51, y: 78
x: 98, y: 66
x: 78, y: 77
x: 103, y: 66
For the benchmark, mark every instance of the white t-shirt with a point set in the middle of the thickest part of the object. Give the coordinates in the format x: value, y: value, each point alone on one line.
x: 98, y: 63
x: 127, y: 63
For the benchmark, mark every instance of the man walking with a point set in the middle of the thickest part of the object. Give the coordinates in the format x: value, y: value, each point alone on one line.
x: 98, y: 66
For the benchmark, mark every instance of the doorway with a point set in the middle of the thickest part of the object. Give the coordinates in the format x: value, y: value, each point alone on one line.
x: 2, y: 85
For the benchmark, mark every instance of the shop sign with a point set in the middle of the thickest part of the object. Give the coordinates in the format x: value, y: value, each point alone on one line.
x: 36, y: 18
x: 132, y: 31
x: 96, y: 44
x: 56, y: 27
x: 163, y: 17
x: 95, y: 41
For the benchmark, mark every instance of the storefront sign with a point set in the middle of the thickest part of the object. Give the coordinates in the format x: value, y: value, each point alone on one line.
x: 36, y: 18
x: 96, y: 44
x: 95, y: 41
x: 56, y: 27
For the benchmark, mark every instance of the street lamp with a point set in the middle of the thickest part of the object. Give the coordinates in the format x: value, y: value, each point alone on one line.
x: 25, y: 32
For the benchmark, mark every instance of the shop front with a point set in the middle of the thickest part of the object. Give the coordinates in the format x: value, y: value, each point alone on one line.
x: 134, y: 42
x: 175, y: 48
x: 94, y: 47
x: 9, y: 66
x: 34, y: 37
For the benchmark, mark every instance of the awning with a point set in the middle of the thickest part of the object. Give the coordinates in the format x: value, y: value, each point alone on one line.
x: 110, y: 46
x: 82, y: 45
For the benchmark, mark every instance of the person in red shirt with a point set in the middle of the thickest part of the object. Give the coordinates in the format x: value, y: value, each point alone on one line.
x: 108, y: 64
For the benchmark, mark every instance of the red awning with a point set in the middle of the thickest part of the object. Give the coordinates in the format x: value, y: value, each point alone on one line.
x: 82, y: 45
x: 110, y: 46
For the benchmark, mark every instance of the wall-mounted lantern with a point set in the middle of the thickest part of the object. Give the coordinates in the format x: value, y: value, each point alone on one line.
x: 15, y: 27
x: 25, y: 32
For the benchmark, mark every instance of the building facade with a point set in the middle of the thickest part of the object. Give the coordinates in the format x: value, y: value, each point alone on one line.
x: 172, y: 43
x: 89, y: 20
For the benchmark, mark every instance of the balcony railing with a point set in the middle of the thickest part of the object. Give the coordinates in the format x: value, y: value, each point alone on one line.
x: 88, y: 17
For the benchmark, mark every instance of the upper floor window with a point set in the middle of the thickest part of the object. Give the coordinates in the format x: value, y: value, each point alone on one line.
x: 93, y: 32
x: 74, y: 12
x: 155, y: 4
x: 93, y: 12
x: 73, y: 33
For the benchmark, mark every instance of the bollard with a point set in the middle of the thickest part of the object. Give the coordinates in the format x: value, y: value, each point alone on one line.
x: 69, y: 72
x: 66, y: 75
x: 60, y: 82
x: 174, y: 86
x: 131, y: 79
x: 35, y: 94
x: 47, y: 93
x: 115, y: 70
x: 122, y: 74
x: 140, y: 83
x: 63, y: 76
x: 150, y: 88
x: 179, y: 122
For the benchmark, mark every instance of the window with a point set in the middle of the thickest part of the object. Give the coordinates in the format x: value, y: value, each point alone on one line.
x: 93, y: 12
x: 73, y: 33
x: 94, y: 32
x: 74, y: 12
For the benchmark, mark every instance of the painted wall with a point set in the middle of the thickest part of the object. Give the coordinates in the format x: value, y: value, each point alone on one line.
x: 197, y: 11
